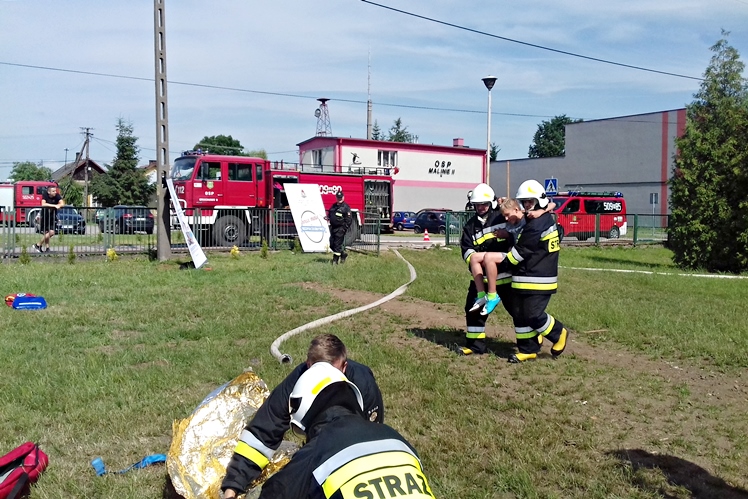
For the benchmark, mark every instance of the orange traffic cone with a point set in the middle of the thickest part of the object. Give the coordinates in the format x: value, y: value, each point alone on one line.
x: 426, y: 235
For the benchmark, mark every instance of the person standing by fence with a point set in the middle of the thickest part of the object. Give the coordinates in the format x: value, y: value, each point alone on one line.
x: 51, y: 202
x: 340, y: 218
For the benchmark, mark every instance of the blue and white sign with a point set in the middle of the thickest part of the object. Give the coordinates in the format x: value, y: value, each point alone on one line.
x: 551, y: 186
x: 309, y: 216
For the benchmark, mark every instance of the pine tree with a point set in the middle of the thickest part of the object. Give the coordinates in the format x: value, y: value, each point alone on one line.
x: 708, y: 226
x: 123, y: 183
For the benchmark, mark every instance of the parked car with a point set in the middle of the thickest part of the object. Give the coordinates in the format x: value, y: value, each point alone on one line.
x: 69, y: 221
x: 433, y: 221
x: 403, y: 220
x: 123, y: 219
x: 99, y: 214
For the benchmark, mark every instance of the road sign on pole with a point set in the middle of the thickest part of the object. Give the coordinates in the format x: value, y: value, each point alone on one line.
x: 551, y: 186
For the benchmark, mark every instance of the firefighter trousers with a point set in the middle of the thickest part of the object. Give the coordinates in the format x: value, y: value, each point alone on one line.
x: 476, y: 323
x: 337, y: 241
x: 531, y: 320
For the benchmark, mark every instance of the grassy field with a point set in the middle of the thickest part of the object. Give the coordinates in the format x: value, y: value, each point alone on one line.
x: 648, y: 401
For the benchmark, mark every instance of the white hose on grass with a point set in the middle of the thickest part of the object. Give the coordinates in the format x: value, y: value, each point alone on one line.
x: 284, y: 358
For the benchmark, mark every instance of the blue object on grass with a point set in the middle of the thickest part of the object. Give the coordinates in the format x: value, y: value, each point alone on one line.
x: 29, y: 303
x: 98, y: 464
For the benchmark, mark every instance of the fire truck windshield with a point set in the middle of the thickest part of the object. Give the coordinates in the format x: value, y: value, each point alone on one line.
x: 183, y: 168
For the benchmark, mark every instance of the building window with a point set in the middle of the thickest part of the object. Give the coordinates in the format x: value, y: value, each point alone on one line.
x: 387, y: 159
x: 317, y: 157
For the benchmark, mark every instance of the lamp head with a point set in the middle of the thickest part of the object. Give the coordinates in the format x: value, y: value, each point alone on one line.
x: 489, y: 82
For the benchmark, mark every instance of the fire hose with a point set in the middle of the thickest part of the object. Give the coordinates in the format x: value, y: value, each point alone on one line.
x: 285, y: 358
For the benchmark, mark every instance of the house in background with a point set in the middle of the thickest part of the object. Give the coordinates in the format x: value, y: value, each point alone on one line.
x: 82, y: 171
x: 423, y: 175
x: 151, y: 172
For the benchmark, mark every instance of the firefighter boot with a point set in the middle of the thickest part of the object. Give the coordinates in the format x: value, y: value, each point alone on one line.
x: 518, y: 358
x: 558, y: 347
x: 343, y: 256
x: 335, y: 259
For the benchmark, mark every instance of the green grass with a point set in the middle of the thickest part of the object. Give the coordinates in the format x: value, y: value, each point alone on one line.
x: 127, y: 347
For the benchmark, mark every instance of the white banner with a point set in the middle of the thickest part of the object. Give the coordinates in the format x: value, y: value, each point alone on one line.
x: 198, y: 257
x: 309, y: 216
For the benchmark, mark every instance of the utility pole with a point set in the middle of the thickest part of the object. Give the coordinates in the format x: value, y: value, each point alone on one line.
x: 163, y: 241
x: 87, y: 133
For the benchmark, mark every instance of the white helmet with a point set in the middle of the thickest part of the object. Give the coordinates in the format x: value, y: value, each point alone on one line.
x: 310, y: 384
x: 532, y: 189
x: 483, y: 194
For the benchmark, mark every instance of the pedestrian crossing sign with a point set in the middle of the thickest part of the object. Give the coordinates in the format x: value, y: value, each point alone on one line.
x: 551, y: 186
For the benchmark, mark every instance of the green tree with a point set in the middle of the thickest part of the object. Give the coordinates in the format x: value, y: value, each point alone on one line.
x: 221, y: 144
x: 123, y: 183
x: 494, y: 151
x: 376, y: 132
x: 550, y: 138
x: 708, y: 226
x: 400, y: 133
x: 258, y: 153
x: 26, y: 170
x: 71, y: 192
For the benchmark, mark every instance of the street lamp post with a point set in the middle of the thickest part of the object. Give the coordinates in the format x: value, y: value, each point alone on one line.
x: 489, y: 82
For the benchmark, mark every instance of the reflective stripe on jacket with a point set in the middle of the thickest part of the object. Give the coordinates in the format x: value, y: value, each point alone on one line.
x: 351, y: 458
x: 535, y: 257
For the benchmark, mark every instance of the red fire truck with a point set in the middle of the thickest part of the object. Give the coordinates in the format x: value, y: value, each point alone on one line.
x: 21, y: 196
x: 233, y: 197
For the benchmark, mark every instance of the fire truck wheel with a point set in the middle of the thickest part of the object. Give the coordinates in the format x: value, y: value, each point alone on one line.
x: 228, y: 231
x: 614, y: 233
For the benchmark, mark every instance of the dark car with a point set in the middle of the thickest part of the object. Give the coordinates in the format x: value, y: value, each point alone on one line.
x: 124, y: 219
x: 69, y: 221
x: 403, y: 220
x: 433, y: 221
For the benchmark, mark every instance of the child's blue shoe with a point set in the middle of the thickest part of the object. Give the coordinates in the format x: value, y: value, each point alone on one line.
x: 490, y: 305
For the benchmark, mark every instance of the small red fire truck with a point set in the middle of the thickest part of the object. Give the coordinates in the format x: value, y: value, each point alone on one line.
x: 21, y: 196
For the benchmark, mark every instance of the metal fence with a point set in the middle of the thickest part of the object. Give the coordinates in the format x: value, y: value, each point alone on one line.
x: 92, y: 231
x: 640, y: 229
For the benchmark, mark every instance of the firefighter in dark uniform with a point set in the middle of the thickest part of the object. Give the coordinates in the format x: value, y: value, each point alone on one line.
x: 485, y: 231
x: 340, y: 218
x: 534, y: 263
x: 345, y: 455
x: 264, y: 433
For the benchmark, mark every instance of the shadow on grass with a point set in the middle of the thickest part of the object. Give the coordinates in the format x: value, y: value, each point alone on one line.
x: 681, y: 473
x: 453, y: 338
x: 169, y: 490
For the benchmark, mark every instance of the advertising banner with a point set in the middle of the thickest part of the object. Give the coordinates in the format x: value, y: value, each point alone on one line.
x: 198, y: 257
x: 309, y: 215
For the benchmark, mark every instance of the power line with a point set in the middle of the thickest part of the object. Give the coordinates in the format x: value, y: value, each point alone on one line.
x: 262, y: 92
x: 564, y: 52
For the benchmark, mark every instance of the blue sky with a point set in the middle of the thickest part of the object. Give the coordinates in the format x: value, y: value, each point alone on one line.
x: 274, y: 59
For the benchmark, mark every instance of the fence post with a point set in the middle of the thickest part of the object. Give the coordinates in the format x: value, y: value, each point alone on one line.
x: 597, y: 229
x: 636, y: 228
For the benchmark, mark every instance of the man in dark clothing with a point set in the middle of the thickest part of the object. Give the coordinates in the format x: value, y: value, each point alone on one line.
x: 340, y: 218
x: 484, y: 232
x: 534, y: 263
x: 264, y: 434
x: 51, y: 201
x: 345, y: 456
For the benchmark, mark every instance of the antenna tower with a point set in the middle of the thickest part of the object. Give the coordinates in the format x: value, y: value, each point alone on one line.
x: 323, y: 119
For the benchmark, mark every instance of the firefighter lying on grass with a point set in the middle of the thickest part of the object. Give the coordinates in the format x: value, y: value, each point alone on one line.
x: 345, y: 455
